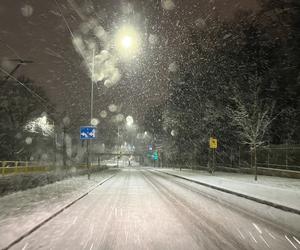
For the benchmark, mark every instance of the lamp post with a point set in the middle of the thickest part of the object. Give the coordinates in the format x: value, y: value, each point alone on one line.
x: 127, y: 41
x: 118, y: 146
x: 127, y: 44
x: 92, y: 85
x: 91, y: 117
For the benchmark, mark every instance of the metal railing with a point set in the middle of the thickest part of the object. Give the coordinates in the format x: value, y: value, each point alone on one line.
x: 19, y: 167
x: 14, y: 167
x: 282, y: 157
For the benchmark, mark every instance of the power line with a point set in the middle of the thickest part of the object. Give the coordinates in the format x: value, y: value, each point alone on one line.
x: 23, y: 85
x: 16, y: 54
x: 68, y: 27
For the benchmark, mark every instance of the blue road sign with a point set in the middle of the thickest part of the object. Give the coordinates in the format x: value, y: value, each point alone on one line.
x: 87, y: 133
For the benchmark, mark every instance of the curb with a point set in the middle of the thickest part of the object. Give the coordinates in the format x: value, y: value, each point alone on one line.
x: 258, y: 200
x: 36, y: 227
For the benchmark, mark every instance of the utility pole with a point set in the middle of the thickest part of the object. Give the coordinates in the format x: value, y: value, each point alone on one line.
x: 255, y: 163
x: 118, y: 146
x: 92, y: 85
x: 55, y: 149
x: 87, y: 158
x: 92, y: 110
x: 64, y: 146
x: 239, y: 156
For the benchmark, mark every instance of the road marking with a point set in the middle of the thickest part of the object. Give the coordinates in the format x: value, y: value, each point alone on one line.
x: 75, y: 219
x: 92, y: 229
x: 264, y: 241
x: 126, y: 235
x: 25, y: 246
x: 243, y: 237
x: 257, y: 228
x: 296, y: 240
x: 252, y: 237
x: 92, y: 246
x: 290, y: 242
x: 271, y: 235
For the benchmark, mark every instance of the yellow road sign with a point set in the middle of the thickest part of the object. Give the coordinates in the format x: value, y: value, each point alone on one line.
x: 213, y: 142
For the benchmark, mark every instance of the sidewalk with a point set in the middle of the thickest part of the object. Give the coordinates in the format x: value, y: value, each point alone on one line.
x: 23, y: 210
x: 278, y: 191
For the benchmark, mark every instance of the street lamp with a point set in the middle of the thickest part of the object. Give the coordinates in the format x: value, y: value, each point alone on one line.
x: 129, y: 121
x: 127, y: 41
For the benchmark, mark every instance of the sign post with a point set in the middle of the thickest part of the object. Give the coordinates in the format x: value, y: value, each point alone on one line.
x: 213, y: 145
x: 88, y: 158
x: 87, y: 133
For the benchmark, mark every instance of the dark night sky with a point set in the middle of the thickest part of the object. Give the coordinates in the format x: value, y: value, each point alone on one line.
x: 43, y: 37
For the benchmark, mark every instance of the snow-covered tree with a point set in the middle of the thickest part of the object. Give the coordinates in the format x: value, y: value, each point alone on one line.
x: 252, y: 116
x: 18, y: 107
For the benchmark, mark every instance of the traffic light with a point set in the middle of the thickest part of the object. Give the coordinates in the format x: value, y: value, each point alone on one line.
x: 155, y: 155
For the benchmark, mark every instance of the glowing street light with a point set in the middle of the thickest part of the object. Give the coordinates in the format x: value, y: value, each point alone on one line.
x: 129, y: 121
x: 127, y: 41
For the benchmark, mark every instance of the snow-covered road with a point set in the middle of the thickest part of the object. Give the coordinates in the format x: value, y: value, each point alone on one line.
x: 143, y: 209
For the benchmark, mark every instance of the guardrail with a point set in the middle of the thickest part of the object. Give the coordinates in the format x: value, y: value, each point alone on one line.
x: 17, y: 167
x: 14, y: 167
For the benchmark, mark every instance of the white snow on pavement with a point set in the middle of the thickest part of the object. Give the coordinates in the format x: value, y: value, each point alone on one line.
x: 283, y: 191
x: 28, y: 208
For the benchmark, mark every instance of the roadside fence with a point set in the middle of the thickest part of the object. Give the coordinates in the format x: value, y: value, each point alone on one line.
x: 284, y: 157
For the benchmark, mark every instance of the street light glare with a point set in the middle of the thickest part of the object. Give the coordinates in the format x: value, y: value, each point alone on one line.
x: 129, y: 120
x: 127, y: 42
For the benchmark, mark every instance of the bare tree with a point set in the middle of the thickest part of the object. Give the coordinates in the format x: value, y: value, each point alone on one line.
x: 252, y: 116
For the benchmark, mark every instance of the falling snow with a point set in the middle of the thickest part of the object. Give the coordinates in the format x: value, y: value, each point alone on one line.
x: 27, y: 10
x: 157, y: 81
x: 168, y: 4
